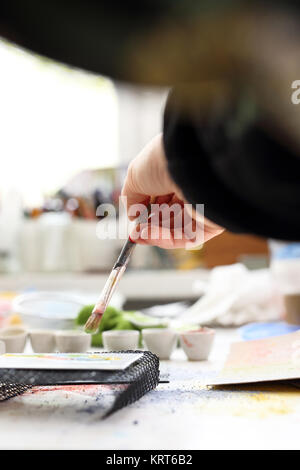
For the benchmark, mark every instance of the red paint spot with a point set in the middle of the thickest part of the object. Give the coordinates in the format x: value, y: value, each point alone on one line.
x: 186, y: 342
x: 64, y: 388
x: 91, y: 389
x: 203, y: 329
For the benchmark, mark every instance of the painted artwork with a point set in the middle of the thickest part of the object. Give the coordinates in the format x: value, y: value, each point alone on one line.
x: 181, y: 414
x: 276, y: 358
x: 113, y: 361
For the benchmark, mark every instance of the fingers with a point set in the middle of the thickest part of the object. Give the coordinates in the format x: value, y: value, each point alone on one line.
x: 209, y: 233
x: 165, y: 237
x: 172, y: 223
x: 137, y: 210
x: 174, y: 233
x: 159, y: 236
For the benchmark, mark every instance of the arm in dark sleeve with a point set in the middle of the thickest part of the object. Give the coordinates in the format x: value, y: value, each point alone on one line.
x: 220, y: 154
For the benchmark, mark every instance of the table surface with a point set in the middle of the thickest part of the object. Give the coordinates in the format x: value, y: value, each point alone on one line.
x: 182, y: 414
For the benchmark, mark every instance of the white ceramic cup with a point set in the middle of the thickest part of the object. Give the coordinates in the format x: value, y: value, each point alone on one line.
x: 160, y: 341
x: 42, y: 341
x: 72, y: 341
x: 120, y: 340
x: 2, y: 347
x: 197, y: 344
x: 14, y: 338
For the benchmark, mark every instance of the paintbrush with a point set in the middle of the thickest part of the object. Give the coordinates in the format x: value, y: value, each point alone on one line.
x: 94, y: 320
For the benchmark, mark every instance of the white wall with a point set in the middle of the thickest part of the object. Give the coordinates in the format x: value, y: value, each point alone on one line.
x: 140, y: 112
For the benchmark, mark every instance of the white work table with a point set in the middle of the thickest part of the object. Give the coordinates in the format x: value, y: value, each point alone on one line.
x: 182, y: 414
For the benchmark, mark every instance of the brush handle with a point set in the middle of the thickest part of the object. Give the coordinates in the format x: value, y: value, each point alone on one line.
x: 129, y: 244
x: 109, y: 289
x: 114, y: 277
x: 125, y: 254
x: 118, y: 269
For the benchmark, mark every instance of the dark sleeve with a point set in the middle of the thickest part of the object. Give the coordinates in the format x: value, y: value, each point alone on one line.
x: 99, y: 36
x: 221, y: 155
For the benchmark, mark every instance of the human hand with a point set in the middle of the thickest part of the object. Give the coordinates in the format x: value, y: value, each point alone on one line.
x: 173, y: 222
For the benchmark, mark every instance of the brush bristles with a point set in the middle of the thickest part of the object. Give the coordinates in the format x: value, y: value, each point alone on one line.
x: 93, y: 323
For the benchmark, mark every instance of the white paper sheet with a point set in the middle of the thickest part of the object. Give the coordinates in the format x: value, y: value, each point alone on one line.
x: 89, y: 361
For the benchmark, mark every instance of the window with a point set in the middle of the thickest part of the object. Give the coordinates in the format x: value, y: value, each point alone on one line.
x: 55, y: 121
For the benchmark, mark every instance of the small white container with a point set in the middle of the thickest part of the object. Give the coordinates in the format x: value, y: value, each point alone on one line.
x: 42, y: 341
x: 197, y: 344
x: 120, y: 340
x: 14, y: 339
x: 2, y: 347
x: 160, y: 341
x: 72, y: 341
x: 52, y: 310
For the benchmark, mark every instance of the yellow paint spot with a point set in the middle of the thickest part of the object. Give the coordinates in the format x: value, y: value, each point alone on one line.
x: 15, y: 319
x: 104, y: 358
x: 252, y: 401
x: 8, y: 295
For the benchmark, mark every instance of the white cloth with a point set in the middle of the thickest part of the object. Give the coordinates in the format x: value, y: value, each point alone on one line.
x: 234, y: 296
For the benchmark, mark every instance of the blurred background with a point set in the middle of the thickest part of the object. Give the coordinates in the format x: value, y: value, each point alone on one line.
x: 67, y: 138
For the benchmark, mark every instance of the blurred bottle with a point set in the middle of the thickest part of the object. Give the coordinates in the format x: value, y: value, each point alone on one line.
x: 11, y: 213
x: 285, y: 268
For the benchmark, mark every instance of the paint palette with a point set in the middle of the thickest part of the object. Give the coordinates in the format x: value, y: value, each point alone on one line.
x: 88, y: 361
x: 264, y: 360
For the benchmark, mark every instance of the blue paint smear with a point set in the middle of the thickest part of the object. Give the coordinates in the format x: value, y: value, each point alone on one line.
x: 266, y: 330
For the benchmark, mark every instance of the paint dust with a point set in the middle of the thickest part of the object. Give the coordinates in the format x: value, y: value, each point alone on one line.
x: 63, y: 403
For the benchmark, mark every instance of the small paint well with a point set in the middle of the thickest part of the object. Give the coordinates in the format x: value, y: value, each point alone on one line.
x: 72, y: 341
x: 120, y: 340
x: 197, y: 344
x: 42, y: 341
x: 14, y: 339
x: 2, y: 347
x: 160, y: 341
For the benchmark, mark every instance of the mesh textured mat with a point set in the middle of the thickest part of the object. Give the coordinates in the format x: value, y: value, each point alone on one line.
x: 141, y: 377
